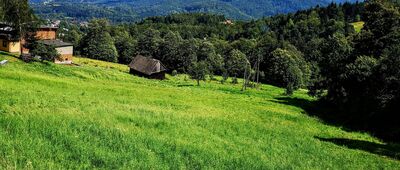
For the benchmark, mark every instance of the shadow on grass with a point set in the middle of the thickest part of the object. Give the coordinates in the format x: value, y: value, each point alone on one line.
x: 318, y: 109
x: 7, y: 54
x: 330, y: 115
x: 326, y: 113
x: 185, y: 85
x: 387, y: 150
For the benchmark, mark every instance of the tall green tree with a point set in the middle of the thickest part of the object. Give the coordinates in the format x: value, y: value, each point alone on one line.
x: 98, y: 43
x: 236, y: 63
x: 207, y: 53
x: 337, y: 53
x: 126, y: 46
x: 187, y: 55
x: 286, y: 69
x: 170, y: 50
x: 149, y: 43
x: 199, y: 71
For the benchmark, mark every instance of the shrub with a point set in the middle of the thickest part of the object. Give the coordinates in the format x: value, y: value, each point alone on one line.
x: 44, y: 52
x: 174, y: 73
x: 27, y: 58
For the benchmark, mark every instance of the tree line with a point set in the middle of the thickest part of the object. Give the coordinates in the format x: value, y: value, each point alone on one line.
x: 272, y: 50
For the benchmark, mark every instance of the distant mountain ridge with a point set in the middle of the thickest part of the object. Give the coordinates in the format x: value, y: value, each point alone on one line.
x: 138, y: 9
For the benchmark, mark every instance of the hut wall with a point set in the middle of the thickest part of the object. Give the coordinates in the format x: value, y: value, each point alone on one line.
x: 159, y: 76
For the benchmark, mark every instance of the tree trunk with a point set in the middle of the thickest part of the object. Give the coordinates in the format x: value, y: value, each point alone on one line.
x: 198, y: 82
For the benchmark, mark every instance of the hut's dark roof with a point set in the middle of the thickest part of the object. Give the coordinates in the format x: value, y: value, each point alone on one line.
x: 147, y: 65
x: 55, y: 43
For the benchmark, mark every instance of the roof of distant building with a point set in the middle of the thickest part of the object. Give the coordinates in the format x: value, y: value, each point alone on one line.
x: 55, y: 43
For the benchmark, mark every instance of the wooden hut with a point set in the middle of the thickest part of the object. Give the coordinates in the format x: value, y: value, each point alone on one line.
x: 147, y: 67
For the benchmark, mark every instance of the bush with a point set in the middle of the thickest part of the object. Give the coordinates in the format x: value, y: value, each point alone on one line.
x: 27, y: 58
x: 44, y: 52
x: 174, y: 73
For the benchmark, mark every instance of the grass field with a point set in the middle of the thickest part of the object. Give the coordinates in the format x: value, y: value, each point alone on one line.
x: 358, y: 26
x: 97, y: 116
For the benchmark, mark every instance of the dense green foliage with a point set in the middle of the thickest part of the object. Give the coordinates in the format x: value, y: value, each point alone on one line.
x: 128, y: 11
x: 45, y: 52
x: 288, y: 69
x: 18, y: 14
x: 179, y: 40
x: 236, y: 63
x: 98, y: 43
x: 97, y: 116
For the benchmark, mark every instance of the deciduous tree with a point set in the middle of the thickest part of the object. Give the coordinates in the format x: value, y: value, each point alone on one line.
x: 198, y: 71
x: 98, y: 43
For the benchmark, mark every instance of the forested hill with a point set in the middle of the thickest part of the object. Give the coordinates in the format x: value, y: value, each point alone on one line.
x: 133, y: 10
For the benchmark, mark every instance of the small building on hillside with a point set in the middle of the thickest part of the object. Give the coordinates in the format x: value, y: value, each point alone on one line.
x: 66, y: 50
x: 147, y: 67
x: 228, y: 22
x: 9, y: 40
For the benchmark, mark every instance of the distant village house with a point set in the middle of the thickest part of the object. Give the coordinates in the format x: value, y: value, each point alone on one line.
x: 228, y: 22
x: 10, y: 42
x: 147, y: 67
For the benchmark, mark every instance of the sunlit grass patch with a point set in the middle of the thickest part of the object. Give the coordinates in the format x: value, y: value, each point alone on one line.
x: 358, y: 26
x: 96, y: 63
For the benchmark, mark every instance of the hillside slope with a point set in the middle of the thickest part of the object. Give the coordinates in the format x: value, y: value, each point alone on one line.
x: 98, y: 116
x: 138, y: 9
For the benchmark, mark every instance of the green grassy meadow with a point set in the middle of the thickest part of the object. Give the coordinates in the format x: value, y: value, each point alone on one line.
x: 99, y: 116
x: 358, y: 26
